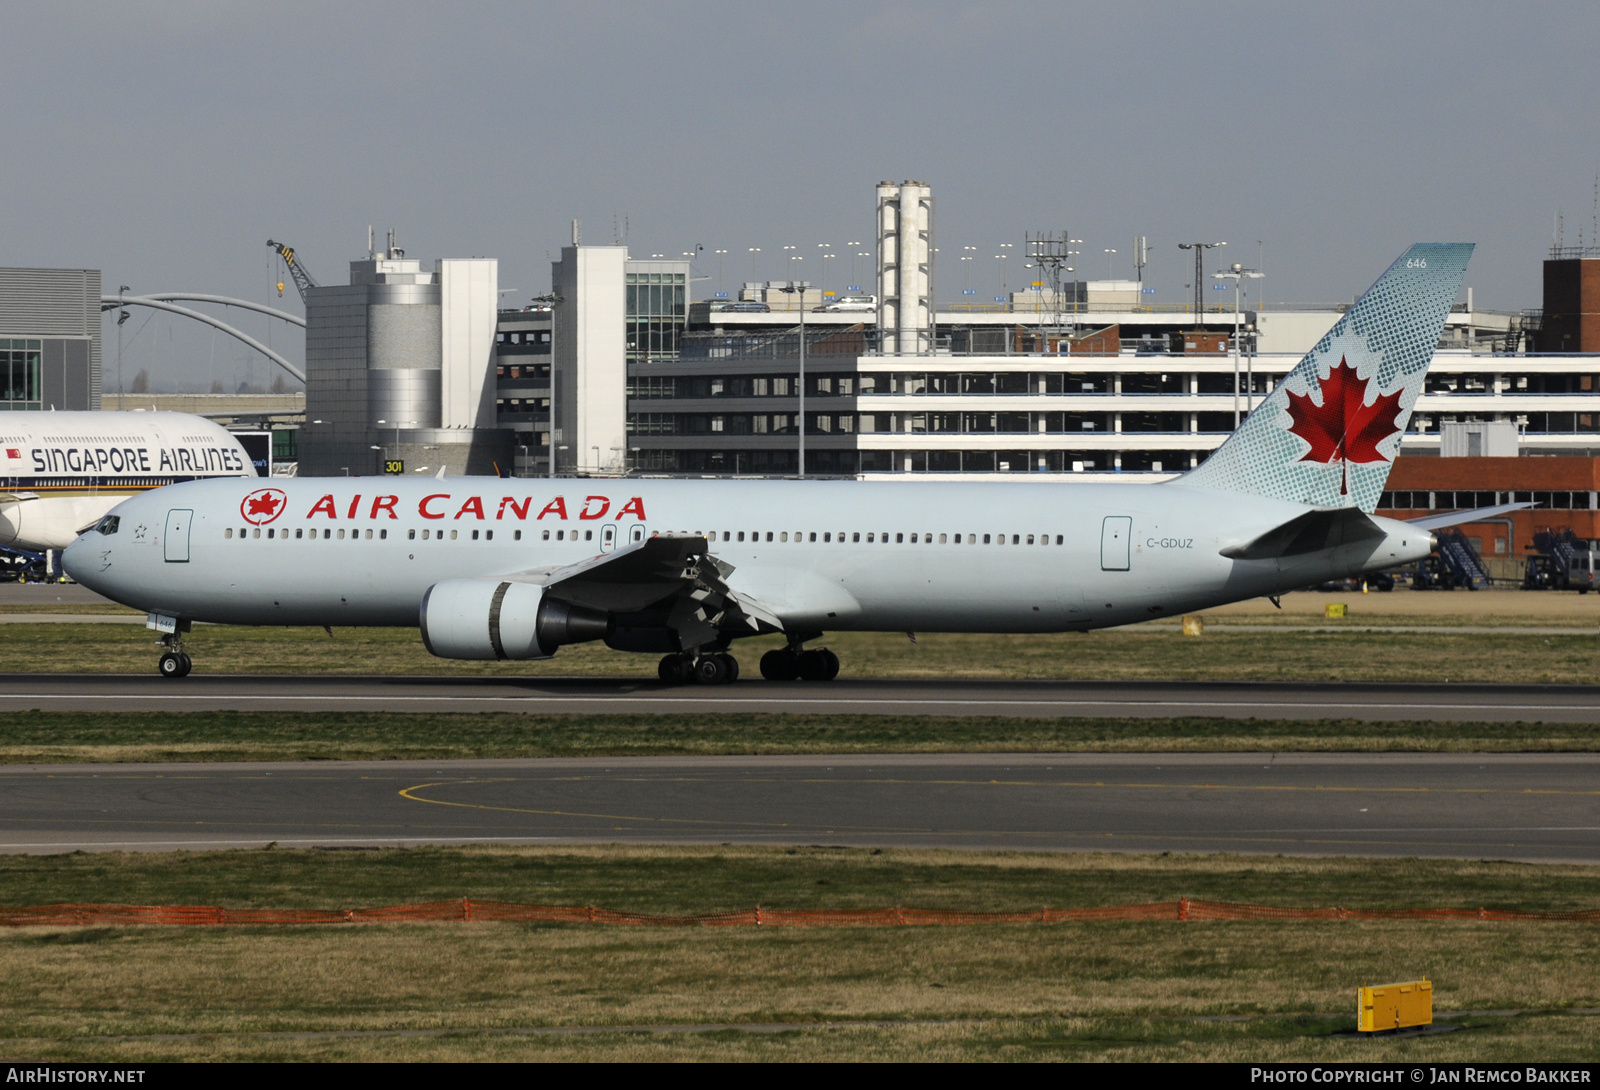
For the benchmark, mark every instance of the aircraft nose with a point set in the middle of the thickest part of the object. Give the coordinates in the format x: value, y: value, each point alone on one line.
x: 74, y: 558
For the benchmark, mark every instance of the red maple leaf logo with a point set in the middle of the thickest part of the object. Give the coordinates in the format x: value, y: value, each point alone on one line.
x: 1344, y: 428
x: 262, y: 506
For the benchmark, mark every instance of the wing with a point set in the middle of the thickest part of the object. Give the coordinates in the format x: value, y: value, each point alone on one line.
x: 1458, y: 518
x: 670, y: 580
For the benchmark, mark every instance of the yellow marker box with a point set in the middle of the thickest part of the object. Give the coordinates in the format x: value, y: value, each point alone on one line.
x: 1334, y: 609
x: 1394, y: 1006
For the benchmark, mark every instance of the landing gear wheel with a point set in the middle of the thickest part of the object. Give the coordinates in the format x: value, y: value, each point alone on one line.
x: 733, y: 668
x: 172, y: 665
x: 712, y: 670
x: 780, y: 664
x: 188, y: 663
x: 820, y: 665
x: 674, y: 669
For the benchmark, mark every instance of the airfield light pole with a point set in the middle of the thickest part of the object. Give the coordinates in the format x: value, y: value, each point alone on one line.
x: 1199, y: 249
x: 790, y: 288
x: 1239, y: 274
x: 122, y: 291
x: 397, y: 424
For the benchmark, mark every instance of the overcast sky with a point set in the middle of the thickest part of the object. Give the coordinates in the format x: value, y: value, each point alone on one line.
x: 165, y: 142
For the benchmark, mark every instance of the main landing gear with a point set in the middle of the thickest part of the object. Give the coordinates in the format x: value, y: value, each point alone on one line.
x: 791, y: 664
x: 720, y: 668
x: 174, y: 662
x: 715, y: 668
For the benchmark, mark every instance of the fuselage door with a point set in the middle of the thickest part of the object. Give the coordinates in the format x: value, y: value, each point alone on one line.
x: 635, y: 533
x: 175, y: 541
x: 608, y: 537
x: 1115, y: 535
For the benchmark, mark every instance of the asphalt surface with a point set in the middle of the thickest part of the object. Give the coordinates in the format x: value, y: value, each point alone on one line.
x: 200, y: 692
x: 52, y: 594
x: 1531, y: 807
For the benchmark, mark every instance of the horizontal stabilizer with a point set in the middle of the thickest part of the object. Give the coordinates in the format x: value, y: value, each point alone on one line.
x: 1458, y: 518
x: 1324, y: 528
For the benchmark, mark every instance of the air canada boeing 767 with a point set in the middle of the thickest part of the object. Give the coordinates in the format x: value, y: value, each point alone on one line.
x: 494, y: 568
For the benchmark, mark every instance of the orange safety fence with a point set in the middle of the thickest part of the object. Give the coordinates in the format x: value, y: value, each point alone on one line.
x: 467, y: 910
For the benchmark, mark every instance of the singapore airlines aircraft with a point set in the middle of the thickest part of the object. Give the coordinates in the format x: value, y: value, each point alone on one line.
x: 61, y: 472
x: 516, y: 569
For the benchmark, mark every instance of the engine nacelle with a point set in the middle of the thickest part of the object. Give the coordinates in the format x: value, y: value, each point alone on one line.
x: 498, y: 619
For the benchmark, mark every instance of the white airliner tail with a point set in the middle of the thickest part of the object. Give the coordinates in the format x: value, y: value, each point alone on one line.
x: 1328, y: 435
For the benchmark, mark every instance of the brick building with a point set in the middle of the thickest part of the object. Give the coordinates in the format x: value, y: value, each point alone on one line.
x: 1565, y: 490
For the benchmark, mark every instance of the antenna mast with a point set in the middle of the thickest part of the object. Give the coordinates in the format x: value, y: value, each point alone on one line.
x: 1050, y: 251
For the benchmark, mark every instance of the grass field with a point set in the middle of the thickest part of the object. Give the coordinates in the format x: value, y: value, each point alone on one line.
x: 1104, y: 991
x: 1158, y: 990
x: 69, y: 737
x: 1324, y: 655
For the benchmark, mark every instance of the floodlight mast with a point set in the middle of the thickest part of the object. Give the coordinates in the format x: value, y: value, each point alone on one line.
x: 790, y: 288
x: 1238, y: 274
x: 1199, y: 249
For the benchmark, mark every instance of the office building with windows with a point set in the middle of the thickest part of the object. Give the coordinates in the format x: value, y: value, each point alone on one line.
x: 49, y: 339
x: 399, y: 370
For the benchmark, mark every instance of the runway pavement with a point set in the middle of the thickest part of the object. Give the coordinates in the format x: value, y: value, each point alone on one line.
x: 845, y: 696
x: 1532, y: 807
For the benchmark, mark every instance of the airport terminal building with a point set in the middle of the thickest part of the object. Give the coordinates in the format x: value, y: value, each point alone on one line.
x: 49, y: 339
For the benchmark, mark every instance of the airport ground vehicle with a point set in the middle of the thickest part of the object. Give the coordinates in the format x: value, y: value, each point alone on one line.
x: 1582, y: 567
x: 1562, y: 561
x: 1378, y: 581
x: 850, y: 303
x: 516, y: 569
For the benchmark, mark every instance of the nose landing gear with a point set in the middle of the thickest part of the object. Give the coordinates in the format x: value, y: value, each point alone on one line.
x: 175, y: 662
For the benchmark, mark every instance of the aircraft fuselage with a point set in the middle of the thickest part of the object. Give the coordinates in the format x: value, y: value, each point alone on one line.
x: 821, y: 555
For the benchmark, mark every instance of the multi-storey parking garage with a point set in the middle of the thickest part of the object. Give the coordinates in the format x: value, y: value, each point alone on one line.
x: 1130, y: 412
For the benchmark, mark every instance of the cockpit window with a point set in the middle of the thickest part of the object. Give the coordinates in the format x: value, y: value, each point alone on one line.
x: 109, y: 524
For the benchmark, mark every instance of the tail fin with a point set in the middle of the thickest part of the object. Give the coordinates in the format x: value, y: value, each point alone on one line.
x: 1329, y: 433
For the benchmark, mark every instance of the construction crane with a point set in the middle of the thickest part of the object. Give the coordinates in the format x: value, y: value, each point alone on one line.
x: 303, y: 280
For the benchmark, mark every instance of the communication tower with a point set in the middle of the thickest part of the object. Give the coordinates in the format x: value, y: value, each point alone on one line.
x: 1051, y: 253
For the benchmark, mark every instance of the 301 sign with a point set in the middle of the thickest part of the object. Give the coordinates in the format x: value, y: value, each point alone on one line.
x: 392, y: 465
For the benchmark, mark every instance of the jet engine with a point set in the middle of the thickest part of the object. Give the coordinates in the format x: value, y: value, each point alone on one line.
x: 495, y: 619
